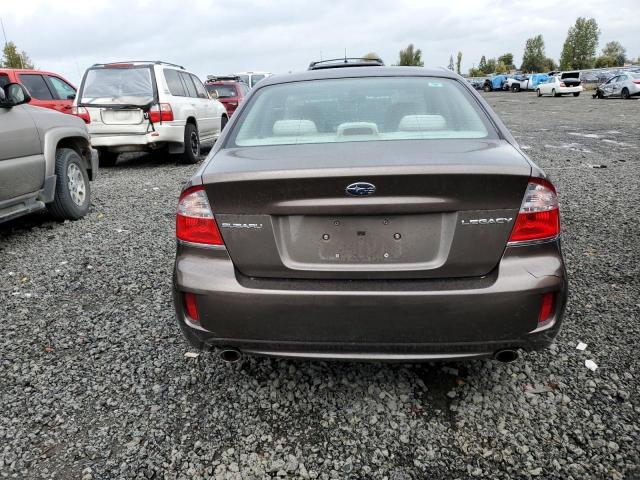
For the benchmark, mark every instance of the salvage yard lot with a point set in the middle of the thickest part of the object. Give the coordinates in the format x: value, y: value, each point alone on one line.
x: 95, y: 384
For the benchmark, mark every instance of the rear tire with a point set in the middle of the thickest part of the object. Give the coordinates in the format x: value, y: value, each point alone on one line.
x: 553, y: 92
x: 73, y: 194
x: 486, y: 88
x: 191, y: 145
x: 107, y: 158
x: 538, y: 92
x: 576, y: 94
x: 515, y: 88
x: 625, y: 93
x: 223, y: 123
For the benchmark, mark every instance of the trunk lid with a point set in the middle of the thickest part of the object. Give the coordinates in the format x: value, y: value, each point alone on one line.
x: 441, y: 208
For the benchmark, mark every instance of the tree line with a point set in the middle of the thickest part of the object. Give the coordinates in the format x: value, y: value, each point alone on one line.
x: 578, y: 53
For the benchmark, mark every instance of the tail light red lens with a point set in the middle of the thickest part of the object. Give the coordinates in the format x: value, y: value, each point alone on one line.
x: 562, y: 84
x: 190, y: 306
x: 194, y: 220
x: 546, y: 308
x: 81, y: 112
x: 636, y: 82
x: 539, y: 216
x: 161, y: 113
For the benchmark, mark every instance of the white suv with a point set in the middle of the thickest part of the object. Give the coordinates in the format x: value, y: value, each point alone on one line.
x: 146, y: 106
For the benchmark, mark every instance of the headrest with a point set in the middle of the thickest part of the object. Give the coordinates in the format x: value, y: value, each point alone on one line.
x: 422, y: 123
x: 292, y: 128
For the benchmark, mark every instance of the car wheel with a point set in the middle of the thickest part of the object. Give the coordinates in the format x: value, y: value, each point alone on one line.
x: 106, y: 158
x: 553, y: 92
x: 223, y: 122
x: 538, y: 92
x: 576, y: 94
x: 486, y: 88
x: 191, y: 144
x: 625, y: 93
x: 515, y: 88
x: 72, y: 196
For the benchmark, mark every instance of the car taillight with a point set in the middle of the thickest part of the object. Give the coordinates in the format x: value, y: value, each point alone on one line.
x: 190, y: 306
x: 636, y: 82
x: 81, y: 112
x: 562, y: 84
x: 161, y: 113
x: 546, y: 308
x: 539, y: 215
x: 194, y: 220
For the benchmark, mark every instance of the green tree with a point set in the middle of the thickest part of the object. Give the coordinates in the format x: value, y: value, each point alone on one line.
x: 617, y: 51
x: 11, y: 58
x: 411, y: 57
x: 549, y: 65
x: 483, y: 64
x: 579, y: 50
x: 451, y: 67
x: 501, y: 68
x: 533, y: 59
x: 507, y: 60
x: 459, y: 63
x: 490, y: 66
x: 605, y: 61
x: 476, y: 72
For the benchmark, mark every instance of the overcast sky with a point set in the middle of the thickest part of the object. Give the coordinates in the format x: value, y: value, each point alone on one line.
x: 67, y: 36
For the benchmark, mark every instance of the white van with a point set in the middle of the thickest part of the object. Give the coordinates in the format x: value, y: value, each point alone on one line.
x: 251, y: 78
x: 146, y: 106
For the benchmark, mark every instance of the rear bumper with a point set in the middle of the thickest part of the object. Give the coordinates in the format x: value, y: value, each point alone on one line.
x: 164, y: 133
x: 570, y: 89
x: 374, y: 319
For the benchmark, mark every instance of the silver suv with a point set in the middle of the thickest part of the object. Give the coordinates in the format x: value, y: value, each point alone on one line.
x: 46, y: 159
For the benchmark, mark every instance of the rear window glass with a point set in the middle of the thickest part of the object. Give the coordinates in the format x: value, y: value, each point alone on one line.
x: 256, y: 78
x: 223, y: 90
x: 37, y: 86
x: 361, y: 109
x: 118, y: 86
x: 174, y: 83
x: 191, y: 89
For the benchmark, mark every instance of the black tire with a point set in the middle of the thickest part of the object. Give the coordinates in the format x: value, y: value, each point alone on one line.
x: 106, y: 158
x: 625, y: 93
x: 223, y: 122
x: 515, y: 88
x: 553, y: 92
x: 538, y: 92
x: 191, y: 145
x: 486, y: 88
x: 576, y: 94
x: 73, y: 192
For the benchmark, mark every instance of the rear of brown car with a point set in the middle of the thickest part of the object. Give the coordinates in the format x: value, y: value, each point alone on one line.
x: 421, y: 233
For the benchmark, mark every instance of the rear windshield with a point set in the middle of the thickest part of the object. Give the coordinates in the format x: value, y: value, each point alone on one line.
x: 360, y: 109
x: 223, y: 90
x: 255, y: 78
x: 118, y: 86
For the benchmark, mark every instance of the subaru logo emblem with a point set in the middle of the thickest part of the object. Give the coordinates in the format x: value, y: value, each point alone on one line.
x: 361, y: 189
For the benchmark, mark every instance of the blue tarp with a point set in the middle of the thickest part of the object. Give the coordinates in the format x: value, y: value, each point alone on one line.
x: 498, y: 81
x: 538, y: 78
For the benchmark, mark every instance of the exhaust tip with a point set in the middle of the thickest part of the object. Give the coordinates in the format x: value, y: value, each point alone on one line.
x: 506, y: 356
x: 230, y: 355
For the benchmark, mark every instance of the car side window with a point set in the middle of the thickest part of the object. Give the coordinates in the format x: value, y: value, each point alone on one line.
x: 36, y: 85
x: 622, y: 78
x: 62, y: 88
x: 4, y: 79
x: 176, y: 88
x: 188, y: 83
x: 201, y: 91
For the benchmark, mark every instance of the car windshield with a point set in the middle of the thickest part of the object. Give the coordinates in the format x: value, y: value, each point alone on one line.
x: 222, y: 90
x: 118, y: 86
x: 361, y: 109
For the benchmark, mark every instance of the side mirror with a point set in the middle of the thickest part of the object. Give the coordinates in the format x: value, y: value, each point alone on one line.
x: 14, y: 94
x: 71, y: 96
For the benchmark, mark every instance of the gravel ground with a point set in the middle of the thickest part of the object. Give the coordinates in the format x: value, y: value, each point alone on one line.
x: 95, y: 384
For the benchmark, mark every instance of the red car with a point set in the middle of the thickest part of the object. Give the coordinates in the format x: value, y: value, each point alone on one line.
x: 230, y: 91
x: 47, y: 89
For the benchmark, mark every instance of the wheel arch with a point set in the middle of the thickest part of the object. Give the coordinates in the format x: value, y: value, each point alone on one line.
x: 67, y: 137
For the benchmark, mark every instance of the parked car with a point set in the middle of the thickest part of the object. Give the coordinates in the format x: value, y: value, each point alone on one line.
x: 46, y: 89
x: 304, y: 235
x: 229, y: 90
x: 559, y: 85
x: 45, y: 159
x: 625, y: 85
x: 525, y: 82
x: 148, y: 106
x: 495, y: 83
x: 251, y: 78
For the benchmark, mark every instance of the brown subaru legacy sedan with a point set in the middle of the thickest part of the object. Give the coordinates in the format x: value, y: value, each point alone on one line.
x: 363, y: 212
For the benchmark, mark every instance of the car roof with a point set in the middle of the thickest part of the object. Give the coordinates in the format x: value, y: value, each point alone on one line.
x: 29, y: 70
x: 351, y: 72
